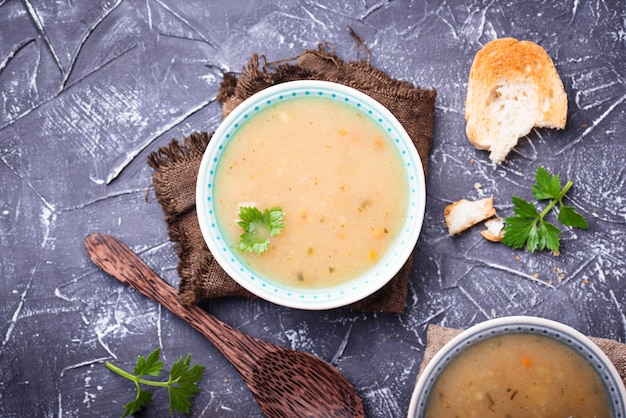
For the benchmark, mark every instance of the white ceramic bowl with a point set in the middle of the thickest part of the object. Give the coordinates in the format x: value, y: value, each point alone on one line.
x: 521, y: 324
x: 265, y: 287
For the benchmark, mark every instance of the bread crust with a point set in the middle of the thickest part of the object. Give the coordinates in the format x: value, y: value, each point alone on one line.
x: 463, y: 214
x: 493, y: 231
x: 511, y: 64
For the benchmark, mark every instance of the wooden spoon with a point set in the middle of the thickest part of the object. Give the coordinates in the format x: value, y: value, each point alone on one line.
x: 285, y: 383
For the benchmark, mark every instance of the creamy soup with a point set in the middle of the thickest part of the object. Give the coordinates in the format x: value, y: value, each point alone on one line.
x: 516, y: 376
x: 337, y: 177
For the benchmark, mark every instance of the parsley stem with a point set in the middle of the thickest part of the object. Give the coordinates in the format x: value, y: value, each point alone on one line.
x: 134, y: 378
x: 564, y: 191
x: 557, y: 199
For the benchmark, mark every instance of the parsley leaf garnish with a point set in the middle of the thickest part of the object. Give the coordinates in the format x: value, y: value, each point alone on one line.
x: 529, y: 228
x: 258, y: 227
x: 181, y: 383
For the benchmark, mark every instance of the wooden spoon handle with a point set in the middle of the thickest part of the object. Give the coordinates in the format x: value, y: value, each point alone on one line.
x: 115, y: 258
x: 284, y: 382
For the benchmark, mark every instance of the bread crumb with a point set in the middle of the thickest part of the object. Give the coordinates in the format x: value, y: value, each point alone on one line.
x: 494, y: 229
x: 464, y: 214
x: 560, y: 274
x: 478, y: 186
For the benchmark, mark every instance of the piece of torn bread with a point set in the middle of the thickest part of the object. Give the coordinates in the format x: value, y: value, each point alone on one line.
x: 464, y: 214
x: 513, y: 86
x: 493, y: 229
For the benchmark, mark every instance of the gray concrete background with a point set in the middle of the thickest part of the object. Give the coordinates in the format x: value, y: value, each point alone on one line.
x: 89, y: 89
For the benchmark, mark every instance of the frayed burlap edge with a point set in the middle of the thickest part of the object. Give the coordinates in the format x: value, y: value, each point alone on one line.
x: 207, y: 279
x: 182, y: 224
x: 323, y: 64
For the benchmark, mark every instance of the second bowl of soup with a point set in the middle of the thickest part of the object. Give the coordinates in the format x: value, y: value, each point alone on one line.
x: 347, y: 180
x: 519, y: 366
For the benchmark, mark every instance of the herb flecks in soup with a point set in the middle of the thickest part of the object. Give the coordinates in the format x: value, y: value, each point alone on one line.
x: 518, y: 375
x: 336, y: 175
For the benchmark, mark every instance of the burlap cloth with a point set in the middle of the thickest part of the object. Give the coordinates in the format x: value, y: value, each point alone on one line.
x: 176, y: 166
x: 438, y: 336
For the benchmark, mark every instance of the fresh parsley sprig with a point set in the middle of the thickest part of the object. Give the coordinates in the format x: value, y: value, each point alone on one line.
x: 181, y: 383
x: 258, y: 227
x: 528, y: 227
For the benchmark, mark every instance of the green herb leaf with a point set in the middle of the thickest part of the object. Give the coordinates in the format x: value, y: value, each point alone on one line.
x: 569, y: 217
x: 181, y: 385
x: 524, y: 209
x: 259, y: 227
x: 546, y: 186
x: 517, y: 231
x: 144, y: 398
x: 529, y: 228
x: 548, y: 236
x: 150, y: 366
x: 533, y: 239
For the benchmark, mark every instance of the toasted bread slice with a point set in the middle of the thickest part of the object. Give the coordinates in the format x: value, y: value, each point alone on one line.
x: 513, y: 86
x: 464, y: 213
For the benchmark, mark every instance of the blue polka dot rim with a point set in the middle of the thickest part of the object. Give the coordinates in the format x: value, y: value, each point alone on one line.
x: 336, y: 296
